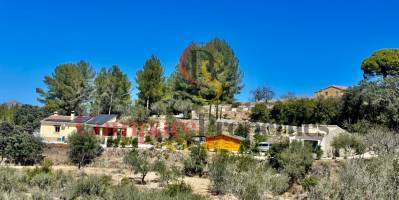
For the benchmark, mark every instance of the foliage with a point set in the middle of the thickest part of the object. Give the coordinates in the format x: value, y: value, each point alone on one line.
x: 375, y: 178
x: 260, y: 113
x: 183, y: 106
x: 384, y: 62
x: 197, y: 161
x: 218, y: 173
x: 140, y: 162
x: 262, y: 93
x: 124, y: 142
x: 150, y: 82
x: 90, y: 186
x: 242, y: 130
x: 348, y: 143
x: 293, y: 111
x: 69, y: 88
x: 167, y: 173
x: 112, y: 93
x: 376, y: 102
x: 15, y: 185
x: 295, y: 161
x: 83, y: 148
x: 309, y: 181
x: 225, y: 71
x: 22, y: 148
x: 159, y: 108
x: 110, y: 141
x: 135, y: 142
x: 245, y: 146
x: 7, y: 113
x: 139, y: 114
x: 173, y: 190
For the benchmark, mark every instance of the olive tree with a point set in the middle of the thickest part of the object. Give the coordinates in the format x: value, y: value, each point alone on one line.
x: 84, y: 147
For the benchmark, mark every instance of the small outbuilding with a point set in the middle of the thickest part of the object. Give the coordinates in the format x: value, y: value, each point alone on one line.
x: 223, y: 141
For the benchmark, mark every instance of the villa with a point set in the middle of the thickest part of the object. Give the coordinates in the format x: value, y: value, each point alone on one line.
x: 56, y: 128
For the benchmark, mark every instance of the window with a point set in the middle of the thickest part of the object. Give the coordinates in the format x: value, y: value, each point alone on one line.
x: 57, y: 129
x: 326, y: 93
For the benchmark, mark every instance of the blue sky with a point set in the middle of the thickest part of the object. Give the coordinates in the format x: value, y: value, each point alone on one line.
x: 297, y: 46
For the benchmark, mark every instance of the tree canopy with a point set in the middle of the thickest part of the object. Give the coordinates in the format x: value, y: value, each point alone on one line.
x: 207, y: 73
x: 384, y: 62
x: 150, y: 82
x: 112, y: 91
x: 69, y: 88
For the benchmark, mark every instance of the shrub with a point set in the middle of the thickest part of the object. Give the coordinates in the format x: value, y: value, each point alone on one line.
x: 309, y: 182
x: 245, y: 146
x: 46, y: 165
x: 110, y: 142
x: 296, y: 160
x: 166, y: 173
x: 23, y: 148
x: 139, y: 162
x: 197, y: 161
x: 135, y: 142
x: 260, y: 113
x: 173, y: 190
x: 242, y: 130
x: 8, y: 180
x: 117, y: 141
x: 218, y: 174
x: 148, y: 139
x: 42, y: 180
x: 89, y: 186
x: 348, y: 143
x: 124, y: 142
x: 279, y: 183
x: 83, y: 148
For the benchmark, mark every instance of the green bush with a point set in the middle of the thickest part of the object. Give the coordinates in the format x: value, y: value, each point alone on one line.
x: 197, y: 161
x: 148, y: 139
x: 279, y: 183
x: 296, y: 160
x: 110, y: 142
x: 124, y: 141
x: 135, y: 142
x: 83, y: 148
x: 23, y: 148
x: 218, y: 174
x: 8, y: 180
x: 173, y: 190
x: 309, y: 182
x: 117, y: 141
x: 42, y: 180
x: 90, y: 186
x: 140, y: 162
x: 165, y: 172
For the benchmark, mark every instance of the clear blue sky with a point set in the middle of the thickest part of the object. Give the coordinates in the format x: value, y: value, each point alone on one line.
x: 297, y: 46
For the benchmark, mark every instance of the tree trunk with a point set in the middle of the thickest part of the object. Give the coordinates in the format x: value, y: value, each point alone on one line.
x: 210, y: 111
x: 217, y: 110
x: 221, y: 110
x: 148, y: 103
x: 142, y: 179
x: 110, y: 104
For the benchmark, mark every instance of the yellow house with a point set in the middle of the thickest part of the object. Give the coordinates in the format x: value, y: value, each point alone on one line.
x: 331, y: 91
x: 57, y: 128
x: 222, y: 141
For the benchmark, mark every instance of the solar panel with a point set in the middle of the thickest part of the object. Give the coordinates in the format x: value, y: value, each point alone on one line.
x: 100, y: 119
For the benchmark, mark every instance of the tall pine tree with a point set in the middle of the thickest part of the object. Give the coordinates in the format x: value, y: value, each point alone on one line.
x: 112, y: 92
x: 69, y: 88
x: 151, y: 82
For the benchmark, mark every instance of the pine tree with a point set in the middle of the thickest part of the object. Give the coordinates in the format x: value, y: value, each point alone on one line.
x: 151, y: 82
